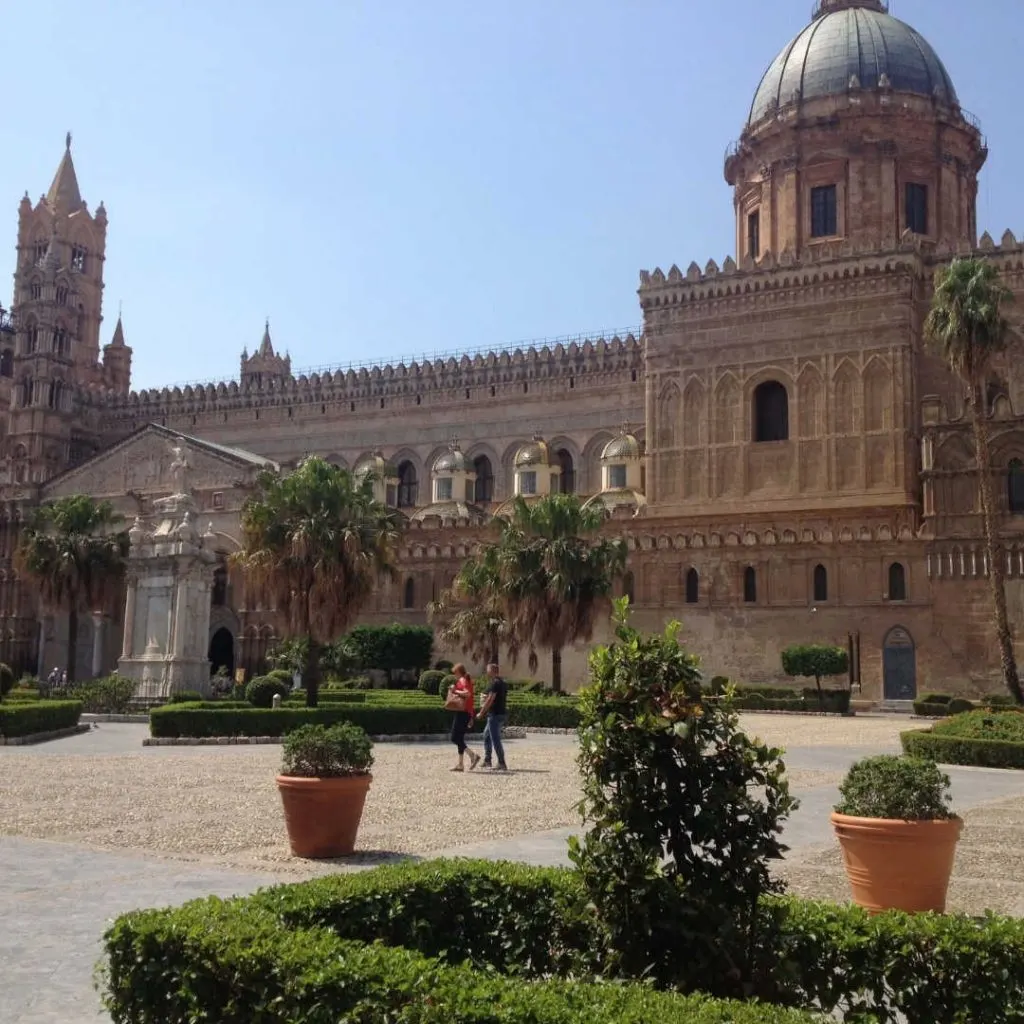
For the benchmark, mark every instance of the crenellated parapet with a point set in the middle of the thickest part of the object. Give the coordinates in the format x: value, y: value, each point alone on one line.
x: 596, y: 360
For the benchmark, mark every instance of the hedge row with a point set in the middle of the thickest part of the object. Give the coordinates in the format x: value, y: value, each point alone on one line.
x: 963, y: 750
x: 211, y: 719
x: 25, y: 719
x: 291, y: 953
x: 776, y: 698
x: 208, y: 966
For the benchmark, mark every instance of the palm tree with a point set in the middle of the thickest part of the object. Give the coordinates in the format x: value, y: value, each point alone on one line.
x: 967, y: 325
x: 74, y: 552
x: 547, y: 580
x: 314, y: 544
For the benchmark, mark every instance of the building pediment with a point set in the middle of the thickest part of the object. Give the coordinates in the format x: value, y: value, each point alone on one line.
x: 144, y: 464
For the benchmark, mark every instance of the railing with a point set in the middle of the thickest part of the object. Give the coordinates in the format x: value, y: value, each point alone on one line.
x: 368, y: 364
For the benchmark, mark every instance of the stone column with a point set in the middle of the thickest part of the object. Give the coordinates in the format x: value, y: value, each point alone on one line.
x: 181, y: 613
x: 97, y: 644
x: 129, y: 617
x: 41, y: 656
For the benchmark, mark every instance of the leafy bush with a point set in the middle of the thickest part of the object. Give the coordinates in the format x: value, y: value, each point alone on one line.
x: 282, y: 675
x: 355, y: 683
x: 6, y: 680
x: 430, y: 682
x: 963, y: 750
x: 109, y: 696
x: 684, y: 811
x: 298, y: 697
x: 406, y: 717
x: 443, y: 665
x: 205, y: 963
x: 929, y: 709
x: 815, y: 661
x: 959, y: 705
x: 984, y: 725
x: 27, y: 719
x: 185, y: 697
x: 392, y: 648
x: 261, y: 690
x: 290, y: 655
x: 936, y: 698
x: 327, y: 752
x: 901, y: 788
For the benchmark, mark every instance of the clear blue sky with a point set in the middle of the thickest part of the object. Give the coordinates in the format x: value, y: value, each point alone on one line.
x: 388, y: 179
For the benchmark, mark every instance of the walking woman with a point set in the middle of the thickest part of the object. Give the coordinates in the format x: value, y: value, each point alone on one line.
x: 460, y: 701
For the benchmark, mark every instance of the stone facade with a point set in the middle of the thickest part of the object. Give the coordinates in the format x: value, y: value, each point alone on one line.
x: 796, y: 464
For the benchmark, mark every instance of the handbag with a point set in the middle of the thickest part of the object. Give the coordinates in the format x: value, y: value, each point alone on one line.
x: 456, y: 700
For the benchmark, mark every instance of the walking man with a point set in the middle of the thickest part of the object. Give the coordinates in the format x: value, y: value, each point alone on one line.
x: 495, y: 708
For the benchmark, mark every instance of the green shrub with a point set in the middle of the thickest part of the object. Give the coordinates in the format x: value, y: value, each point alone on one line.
x: 901, y: 788
x: 392, y: 648
x: 6, y: 680
x: 960, y: 705
x: 282, y: 675
x: 298, y: 697
x: 355, y: 683
x: 185, y: 697
x: 935, y: 698
x: 327, y: 752
x: 446, y: 684
x: 261, y: 690
x: 109, y: 696
x: 928, y: 709
x: 984, y: 725
x: 406, y: 717
x: 27, y: 719
x: 815, y: 661
x: 998, y: 700
x: 963, y: 750
x: 430, y: 682
x: 204, y: 963
x: 443, y: 665
x: 683, y: 810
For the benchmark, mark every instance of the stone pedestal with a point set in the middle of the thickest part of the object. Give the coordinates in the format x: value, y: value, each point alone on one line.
x: 167, y: 611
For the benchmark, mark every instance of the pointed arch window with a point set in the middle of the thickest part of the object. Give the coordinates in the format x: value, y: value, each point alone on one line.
x: 1015, y: 487
x: 26, y: 392
x: 483, y: 486
x: 629, y: 587
x: 771, y: 412
x: 7, y: 363
x: 692, y: 586
x: 35, y: 290
x: 409, y: 594
x: 820, y: 583
x: 56, y: 394
x: 62, y: 295
x: 78, y: 258
x: 897, y: 582
x: 32, y: 338
x: 408, y: 485
x: 60, y: 340
x: 567, y: 482
x: 219, y: 591
x: 750, y: 585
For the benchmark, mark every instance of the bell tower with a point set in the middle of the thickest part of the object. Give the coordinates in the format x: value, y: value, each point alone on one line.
x: 58, y: 295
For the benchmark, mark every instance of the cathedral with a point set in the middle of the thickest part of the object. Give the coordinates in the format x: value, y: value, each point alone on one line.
x: 784, y: 455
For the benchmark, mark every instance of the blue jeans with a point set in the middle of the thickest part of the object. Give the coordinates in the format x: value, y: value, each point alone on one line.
x: 492, y: 738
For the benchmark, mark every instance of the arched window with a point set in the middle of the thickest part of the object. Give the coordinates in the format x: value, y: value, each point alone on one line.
x: 629, y: 587
x: 897, y: 582
x: 483, y: 488
x: 56, y: 392
x: 820, y: 583
x: 32, y: 338
x: 6, y: 363
x: 567, y: 483
x: 750, y: 585
x: 771, y: 412
x: 409, y: 594
x: 60, y: 340
x: 692, y: 587
x: 62, y: 295
x: 1014, y: 484
x: 35, y: 290
x: 26, y: 392
x: 408, y: 485
x: 219, y: 591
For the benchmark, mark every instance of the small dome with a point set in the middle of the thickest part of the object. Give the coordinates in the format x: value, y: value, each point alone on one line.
x: 452, y: 461
x: 533, y: 453
x: 376, y: 465
x: 625, y: 446
x: 847, y: 40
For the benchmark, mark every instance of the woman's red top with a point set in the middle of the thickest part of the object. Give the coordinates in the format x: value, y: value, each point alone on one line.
x: 465, y: 685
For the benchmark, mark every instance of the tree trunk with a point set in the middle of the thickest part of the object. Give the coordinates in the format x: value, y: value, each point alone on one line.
x: 311, y: 674
x: 72, y: 642
x: 821, y: 700
x: 556, y: 669
x: 993, y: 548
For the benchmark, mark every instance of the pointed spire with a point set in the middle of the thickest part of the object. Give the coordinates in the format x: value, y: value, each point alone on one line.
x: 64, y: 196
x: 117, y: 341
x: 266, y: 345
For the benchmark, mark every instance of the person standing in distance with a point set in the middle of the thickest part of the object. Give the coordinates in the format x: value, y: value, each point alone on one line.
x: 495, y: 707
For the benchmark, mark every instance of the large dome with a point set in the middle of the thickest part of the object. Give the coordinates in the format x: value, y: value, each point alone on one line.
x: 847, y: 38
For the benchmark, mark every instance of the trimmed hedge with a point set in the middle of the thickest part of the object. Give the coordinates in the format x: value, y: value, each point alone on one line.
x: 963, y: 749
x: 780, y: 698
x: 207, y: 964
x: 405, y: 718
x: 291, y: 953
x: 27, y: 719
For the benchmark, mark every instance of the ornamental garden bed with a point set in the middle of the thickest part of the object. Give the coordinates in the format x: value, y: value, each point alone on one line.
x: 982, y: 738
x: 492, y: 941
x: 23, y: 721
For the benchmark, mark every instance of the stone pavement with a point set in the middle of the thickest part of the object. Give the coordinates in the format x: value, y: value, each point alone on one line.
x: 57, y: 899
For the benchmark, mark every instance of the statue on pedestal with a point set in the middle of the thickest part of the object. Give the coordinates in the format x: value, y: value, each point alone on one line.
x: 179, y: 470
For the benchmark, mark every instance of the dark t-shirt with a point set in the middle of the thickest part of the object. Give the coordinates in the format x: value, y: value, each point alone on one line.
x: 500, y: 690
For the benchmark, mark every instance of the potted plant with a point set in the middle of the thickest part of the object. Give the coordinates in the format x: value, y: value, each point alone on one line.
x: 897, y: 833
x: 324, y: 779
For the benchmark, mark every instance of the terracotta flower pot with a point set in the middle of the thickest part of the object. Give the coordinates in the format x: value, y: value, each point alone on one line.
x: 898, y: 865
x: 322, y: 815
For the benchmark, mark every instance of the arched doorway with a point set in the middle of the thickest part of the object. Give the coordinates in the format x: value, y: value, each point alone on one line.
x: 899, y: 665
x: 222, y: 651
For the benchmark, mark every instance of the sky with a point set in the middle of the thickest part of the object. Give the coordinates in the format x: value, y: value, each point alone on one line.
x: 400, y: 179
